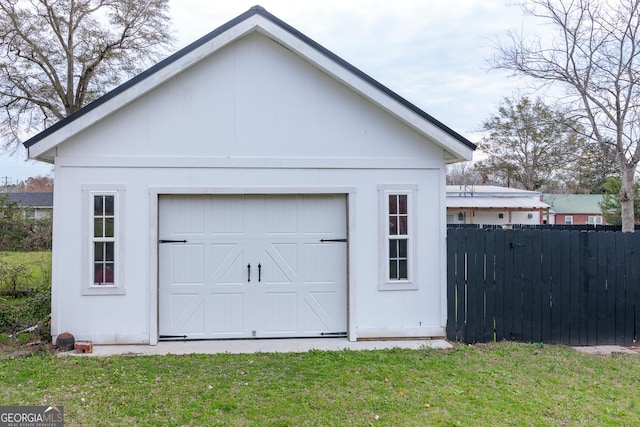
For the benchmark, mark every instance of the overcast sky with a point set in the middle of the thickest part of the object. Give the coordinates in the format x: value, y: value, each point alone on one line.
x: 431, y: 52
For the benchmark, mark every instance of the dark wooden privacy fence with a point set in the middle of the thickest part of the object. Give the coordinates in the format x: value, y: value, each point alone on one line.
x: 550, y: 286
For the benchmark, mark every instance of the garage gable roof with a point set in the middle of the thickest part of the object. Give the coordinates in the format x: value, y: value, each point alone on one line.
x: 257, y: 19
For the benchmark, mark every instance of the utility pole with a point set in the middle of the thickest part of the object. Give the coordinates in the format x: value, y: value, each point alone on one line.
x: 6, y: 180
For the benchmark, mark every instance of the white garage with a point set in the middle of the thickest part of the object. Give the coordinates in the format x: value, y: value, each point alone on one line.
x: 252, y: 266
x: 253, y: 185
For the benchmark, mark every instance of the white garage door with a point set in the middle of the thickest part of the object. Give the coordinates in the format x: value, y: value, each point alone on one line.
x: 234, y: 266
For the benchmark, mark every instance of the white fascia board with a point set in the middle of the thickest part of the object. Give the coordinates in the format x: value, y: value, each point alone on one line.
x: 39, y: 150
x: 458, y: 150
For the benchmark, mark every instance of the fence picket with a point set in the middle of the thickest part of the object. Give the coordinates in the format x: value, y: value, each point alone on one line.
x: 451, y: 281
x: 528, y: 286
x: 472, y: 277
x: 560, y: 297
x: 621, y: 333
x: 476, y: 286
x: 545, y: 291
x: 518, y: 268
x: 536, y: 286
x: 489, y: 286
x: 461, y: 277
x: 575, y: 279
x: 607, y: 330
x: 499, y: 307
x: 588, y: 273
x: 592, y: 288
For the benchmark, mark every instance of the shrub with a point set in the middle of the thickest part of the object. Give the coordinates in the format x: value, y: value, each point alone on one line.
x: 20, y: 234
x: 13, y: 276
x: 24, y: 271
x: 25, y: 294
x: 18, y: 313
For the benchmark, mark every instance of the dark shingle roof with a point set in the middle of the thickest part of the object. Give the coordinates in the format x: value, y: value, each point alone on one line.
x: 255, y: 10
x: 32, y: 199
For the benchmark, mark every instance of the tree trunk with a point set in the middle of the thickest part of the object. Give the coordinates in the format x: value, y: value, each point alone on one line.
x: 626, y: 201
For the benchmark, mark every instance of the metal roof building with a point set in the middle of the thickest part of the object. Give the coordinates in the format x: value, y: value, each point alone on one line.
x: 490, y: 204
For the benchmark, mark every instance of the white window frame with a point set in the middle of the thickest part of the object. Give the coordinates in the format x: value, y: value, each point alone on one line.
x: 568, y: 220
x: 594, y: 220
x: 89, y: 287
x: 385, y: 282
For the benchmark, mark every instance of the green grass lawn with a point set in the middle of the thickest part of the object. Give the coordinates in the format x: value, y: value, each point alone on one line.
x: 500, y: 384
x: 25, y: 270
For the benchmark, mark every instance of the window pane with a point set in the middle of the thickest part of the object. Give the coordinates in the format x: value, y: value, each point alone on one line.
x: 404, y: 228
x: 402, y: 202
x: 402, y: 269
x: 109, y: 251
x: 108, y: 228
x: 98, y: 205
x: 109, y: 205
x: 393, y: 225
x: 393, y: 249
x: 98, y: 273
x: 393, y: 270
x: 108, y: 273
x: 402, y: 248
x: 393, y: 204
x: 98, y: 227
x: 98, y: 251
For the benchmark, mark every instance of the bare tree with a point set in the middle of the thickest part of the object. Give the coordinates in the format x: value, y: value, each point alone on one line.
x: 37, y: 184
x: 591, y: 50
x: 58, y: 55
x: 463, y: 174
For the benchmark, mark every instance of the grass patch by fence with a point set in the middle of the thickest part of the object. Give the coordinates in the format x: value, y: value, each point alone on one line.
x: 497, y: 384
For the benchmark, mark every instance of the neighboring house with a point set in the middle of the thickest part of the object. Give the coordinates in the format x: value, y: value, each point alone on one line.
x: 490, y: 204
x: 253, y: 185
x: 575, y: 209
x: 33, y: 205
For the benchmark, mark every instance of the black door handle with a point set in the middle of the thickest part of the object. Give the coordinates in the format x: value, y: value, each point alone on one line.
x: 259, y: 272
x: 248, y: 272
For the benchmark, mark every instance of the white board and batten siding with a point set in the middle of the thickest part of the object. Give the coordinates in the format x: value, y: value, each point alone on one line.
x: 252, y: 156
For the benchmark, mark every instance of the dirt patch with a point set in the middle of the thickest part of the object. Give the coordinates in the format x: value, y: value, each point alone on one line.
x: 15, y: 348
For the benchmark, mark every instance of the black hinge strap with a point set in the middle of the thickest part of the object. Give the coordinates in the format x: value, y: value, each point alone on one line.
x: 333, y: 240
x: 172, y: 241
